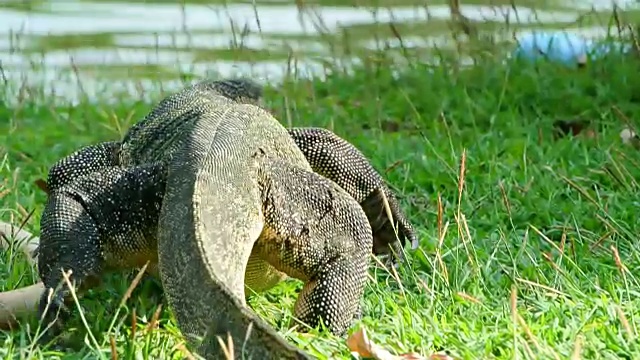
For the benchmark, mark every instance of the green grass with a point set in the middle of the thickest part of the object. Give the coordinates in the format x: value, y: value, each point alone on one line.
x: 520, y: 265
x: 23, y: 5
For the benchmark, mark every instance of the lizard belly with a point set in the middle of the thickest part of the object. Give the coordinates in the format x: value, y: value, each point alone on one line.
x: 135, y: 256
x: 260, y: 275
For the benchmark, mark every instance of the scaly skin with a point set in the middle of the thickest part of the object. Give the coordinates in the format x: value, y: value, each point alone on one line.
x: 150, y: 146
x: 150, y: 141
x: 212, y: 217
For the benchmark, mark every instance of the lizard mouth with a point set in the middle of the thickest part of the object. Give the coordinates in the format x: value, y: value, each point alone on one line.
x: 22, y: 302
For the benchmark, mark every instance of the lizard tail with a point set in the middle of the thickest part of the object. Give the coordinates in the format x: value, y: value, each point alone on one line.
x: 210, y: 218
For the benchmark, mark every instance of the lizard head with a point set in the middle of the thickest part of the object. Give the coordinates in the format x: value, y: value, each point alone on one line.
x: 390, y: 236
x: 69, y: 240
x: 66, y: 224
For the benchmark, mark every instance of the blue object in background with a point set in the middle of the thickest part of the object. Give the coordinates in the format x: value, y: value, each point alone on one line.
x: 558, y: 46
x: 563, y: 47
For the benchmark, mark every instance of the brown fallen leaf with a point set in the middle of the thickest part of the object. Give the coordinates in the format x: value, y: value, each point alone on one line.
x: 42, y: 185
x: 440, y: 357
x: 360, y: 344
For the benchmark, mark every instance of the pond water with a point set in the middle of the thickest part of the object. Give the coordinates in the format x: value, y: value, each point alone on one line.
x: 168, y: 35
x: 163, y: 17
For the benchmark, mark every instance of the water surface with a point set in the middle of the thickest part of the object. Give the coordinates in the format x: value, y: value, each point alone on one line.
x: 95, y: 37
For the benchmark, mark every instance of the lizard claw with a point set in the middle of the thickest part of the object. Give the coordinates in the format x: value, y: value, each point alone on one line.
x: 53, y: 314
x: 389, y: 239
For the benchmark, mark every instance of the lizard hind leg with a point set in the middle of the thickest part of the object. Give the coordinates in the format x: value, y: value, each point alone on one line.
x: 340, y: 161
x: 316, y: 232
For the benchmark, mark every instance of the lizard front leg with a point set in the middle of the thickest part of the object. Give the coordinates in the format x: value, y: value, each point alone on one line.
x: 338, y: 160
x: 316, y: 232
x: 95, y: 223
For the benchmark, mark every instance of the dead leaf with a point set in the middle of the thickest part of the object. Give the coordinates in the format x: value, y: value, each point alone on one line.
x: 42, y: 185
x: 590, y: 134
x: 440, y: 357
x: 360, y: 344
